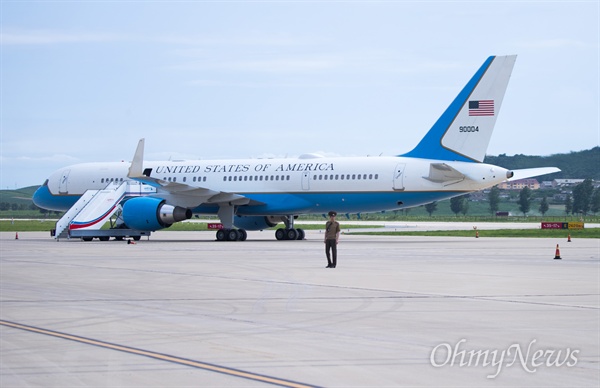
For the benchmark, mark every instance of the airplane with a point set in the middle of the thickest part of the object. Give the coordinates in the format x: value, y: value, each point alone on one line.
x: 256, y: 194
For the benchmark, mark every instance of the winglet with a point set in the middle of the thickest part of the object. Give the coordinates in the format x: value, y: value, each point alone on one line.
x: 136, y: 168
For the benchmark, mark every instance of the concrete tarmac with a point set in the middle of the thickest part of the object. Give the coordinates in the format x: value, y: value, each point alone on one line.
x: 181, y: 309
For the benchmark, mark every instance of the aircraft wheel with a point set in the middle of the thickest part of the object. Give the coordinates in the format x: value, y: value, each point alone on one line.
x: 243, y: 235
x: 291, y: 234
x: 232, y: 235
x: 301, y: 234
x: 137, y: 238
x: 221, y: 235
x: 280, y: 234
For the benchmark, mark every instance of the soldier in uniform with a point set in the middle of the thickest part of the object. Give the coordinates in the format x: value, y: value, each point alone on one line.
x: 332, y: 236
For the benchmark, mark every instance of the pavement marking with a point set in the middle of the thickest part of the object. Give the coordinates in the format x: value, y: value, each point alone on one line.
x: 160, y: 356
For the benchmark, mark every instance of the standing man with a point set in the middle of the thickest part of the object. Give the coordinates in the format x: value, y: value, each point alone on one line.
x: 332, y: 236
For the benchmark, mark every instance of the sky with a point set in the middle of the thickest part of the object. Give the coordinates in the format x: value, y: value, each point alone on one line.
x: 83, y: 81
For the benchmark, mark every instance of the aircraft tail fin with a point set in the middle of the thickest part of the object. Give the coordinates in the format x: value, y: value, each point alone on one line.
x: 463, y: 131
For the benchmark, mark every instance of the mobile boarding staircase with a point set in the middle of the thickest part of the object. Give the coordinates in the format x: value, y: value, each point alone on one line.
x: 86, y: 218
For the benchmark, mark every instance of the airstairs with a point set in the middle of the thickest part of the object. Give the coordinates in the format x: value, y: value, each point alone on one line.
x: 94, y: 209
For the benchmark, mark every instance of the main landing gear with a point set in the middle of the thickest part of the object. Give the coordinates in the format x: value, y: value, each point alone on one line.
x: 229, y: 233
x: 232, y: 235
x: 289, y: 234
x: 242, y: 235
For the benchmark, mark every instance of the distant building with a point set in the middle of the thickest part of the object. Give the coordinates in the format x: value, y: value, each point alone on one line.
x: 566, y: 182
x: 520, y: 184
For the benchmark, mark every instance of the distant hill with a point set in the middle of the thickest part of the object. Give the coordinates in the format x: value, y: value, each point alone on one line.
x: 574, y: 165
x: 19, y: 196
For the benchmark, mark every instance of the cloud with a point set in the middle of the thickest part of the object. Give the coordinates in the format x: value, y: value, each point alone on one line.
x: 552, y: 44
x: 230, y: 41
x: 55, y: 158
x: 42, y: 37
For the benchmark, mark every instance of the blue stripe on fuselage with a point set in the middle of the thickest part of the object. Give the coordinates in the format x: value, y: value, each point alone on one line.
x: 302, y: 203
x: 289, y: 203
x: 44, y: 199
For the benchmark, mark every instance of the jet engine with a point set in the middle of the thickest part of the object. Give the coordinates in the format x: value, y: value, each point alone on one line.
x: 151, y: 214
x: 255, y: 222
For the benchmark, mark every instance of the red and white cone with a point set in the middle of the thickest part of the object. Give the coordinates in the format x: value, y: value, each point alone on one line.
x: 557, y: 254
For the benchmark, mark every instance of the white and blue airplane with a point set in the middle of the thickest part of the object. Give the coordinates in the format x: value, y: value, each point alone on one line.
x: 255, y: 194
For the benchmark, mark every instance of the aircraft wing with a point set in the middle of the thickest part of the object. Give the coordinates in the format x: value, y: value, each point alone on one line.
x: 531, y: 172
x: 180, y: 193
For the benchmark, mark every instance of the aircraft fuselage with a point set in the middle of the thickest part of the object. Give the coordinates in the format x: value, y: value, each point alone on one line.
x: 291, y: 186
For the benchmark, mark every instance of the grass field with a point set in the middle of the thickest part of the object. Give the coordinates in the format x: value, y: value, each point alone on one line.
x: 46, y: 226
x: 512, y: 233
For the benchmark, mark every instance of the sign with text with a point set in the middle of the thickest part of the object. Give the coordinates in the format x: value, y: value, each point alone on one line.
x: 562, y: 225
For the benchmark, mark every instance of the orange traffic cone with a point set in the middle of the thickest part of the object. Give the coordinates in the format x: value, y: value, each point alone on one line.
x: 569, y: 238
x: 476, y: 234
x: 557, y: 254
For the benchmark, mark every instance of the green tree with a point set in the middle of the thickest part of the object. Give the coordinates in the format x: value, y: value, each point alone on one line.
x: 525, y: 200
x: 431, y: 207
x: 494, y: 198
x: 457, y: 204
x: 582, y: 197
x: 465, y: 206
x: 544, y: 206
x: 595, y: 205
x: 568, y: 204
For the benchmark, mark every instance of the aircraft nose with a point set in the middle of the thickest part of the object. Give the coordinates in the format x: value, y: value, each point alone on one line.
x: 40, y: 195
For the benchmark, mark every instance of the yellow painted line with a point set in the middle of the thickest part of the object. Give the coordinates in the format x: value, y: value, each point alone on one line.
x: 160, y: 356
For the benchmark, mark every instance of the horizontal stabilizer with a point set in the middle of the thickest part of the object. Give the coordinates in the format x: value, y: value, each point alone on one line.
x: 531, y: 172
x: 443, y: 173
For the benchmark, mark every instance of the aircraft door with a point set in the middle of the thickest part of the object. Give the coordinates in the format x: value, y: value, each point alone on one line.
x: 306, y: 180
x: 398, y: 183
x: 63, y: 185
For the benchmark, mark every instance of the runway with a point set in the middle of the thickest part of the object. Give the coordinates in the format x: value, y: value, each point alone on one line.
x: 181, y: 310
